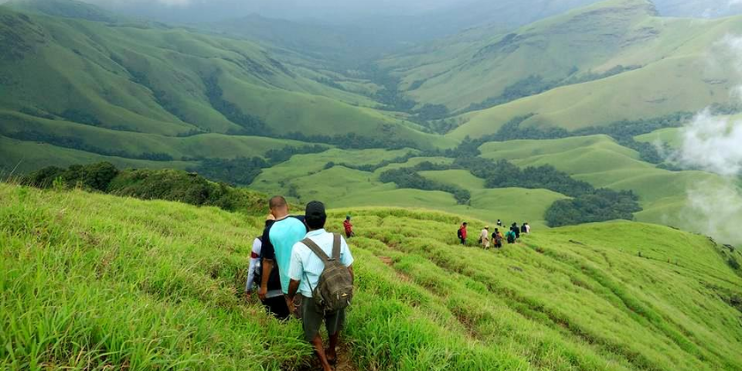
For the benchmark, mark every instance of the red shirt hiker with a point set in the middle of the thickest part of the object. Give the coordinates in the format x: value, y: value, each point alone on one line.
x: 348, y: 227
x: 462, y: 234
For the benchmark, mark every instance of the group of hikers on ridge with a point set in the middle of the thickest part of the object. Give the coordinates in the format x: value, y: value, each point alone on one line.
x: 304, y: 271
x: 485, y: 239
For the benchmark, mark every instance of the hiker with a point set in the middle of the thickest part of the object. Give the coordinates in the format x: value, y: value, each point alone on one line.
x: 348, y: 227
x: 524, y: 228
x: 274, y: 302
x: 497, y: 238
x: 484, y: 238
x: 321, y: 268
x: 499, y: 223
x: 510, y: 237
x: 528, y: 228
x: 516, y: 230
x: 462, y: 233
x: 278, y: 240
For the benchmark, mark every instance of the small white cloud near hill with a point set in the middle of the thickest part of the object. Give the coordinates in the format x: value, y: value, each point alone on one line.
x: 712, y: 143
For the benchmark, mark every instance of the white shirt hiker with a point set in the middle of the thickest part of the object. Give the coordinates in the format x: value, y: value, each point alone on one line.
x: 306, y: 265
x: 485, y: 236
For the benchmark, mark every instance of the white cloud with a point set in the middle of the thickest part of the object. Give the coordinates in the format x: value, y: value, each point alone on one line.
x: 713, y: 144
x: 714, y: 209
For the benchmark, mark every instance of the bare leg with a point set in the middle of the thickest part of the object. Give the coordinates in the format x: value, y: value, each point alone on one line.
x: 332, y: 355
x: 320, y: 350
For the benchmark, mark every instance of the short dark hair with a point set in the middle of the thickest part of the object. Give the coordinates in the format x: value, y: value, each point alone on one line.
x: 316, y: 222
x: 276, y: 201
x: 315, y: 215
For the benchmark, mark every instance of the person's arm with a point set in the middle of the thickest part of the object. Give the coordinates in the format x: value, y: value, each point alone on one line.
x: 296, y: 273
x: 267, y: 268
x: 268, y: 255
x: 251, y: 275
x: 254, y: 258
x: 346, y: 258
x: 293, y: 289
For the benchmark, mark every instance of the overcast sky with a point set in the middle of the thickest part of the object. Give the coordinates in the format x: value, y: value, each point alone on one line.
x: 349, y: 10
x: 292, y: 9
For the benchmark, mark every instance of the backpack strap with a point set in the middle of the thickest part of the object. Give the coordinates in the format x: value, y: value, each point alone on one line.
x: 316, y: 250
x: 336, y: 247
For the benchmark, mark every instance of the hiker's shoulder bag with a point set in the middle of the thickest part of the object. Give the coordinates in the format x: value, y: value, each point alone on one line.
x: 334, y: 289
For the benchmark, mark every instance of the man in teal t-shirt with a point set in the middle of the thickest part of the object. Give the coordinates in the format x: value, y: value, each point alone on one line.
x: 278, y: 241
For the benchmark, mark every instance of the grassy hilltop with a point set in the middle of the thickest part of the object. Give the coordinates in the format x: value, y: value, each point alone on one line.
x: 96, y: 282
x: 612, y: 60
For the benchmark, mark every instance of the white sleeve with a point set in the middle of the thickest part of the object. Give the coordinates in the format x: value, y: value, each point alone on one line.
x: 254, y: 258
x: 345, y: 256
x: 296, y: 266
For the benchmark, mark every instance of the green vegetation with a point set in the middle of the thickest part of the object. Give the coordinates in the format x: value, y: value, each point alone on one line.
x: 146, y: 91
x: 410, y: 178
x: 169, y: 185
x: 92, y: 281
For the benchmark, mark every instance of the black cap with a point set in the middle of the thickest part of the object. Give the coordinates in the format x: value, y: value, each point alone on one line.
x: 315, y: 209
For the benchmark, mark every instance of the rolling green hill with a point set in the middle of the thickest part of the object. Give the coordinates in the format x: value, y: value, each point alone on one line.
x: 93, y: 281
x: 128, y: 87
x: 603, y: 163
x: 87, y: 86
x: 612, y: 60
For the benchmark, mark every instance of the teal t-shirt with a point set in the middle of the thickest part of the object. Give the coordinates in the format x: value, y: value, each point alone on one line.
x: 281, y: 237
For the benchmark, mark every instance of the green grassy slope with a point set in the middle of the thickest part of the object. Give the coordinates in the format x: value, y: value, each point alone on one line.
x: 305, y: 177
x: 93, y: 282
x: 603, y: 163
x: 605, y: 62
x: 128, y: 85
x: 25, y: 157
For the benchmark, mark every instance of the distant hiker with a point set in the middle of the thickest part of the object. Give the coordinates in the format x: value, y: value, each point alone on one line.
x: 484, y: 238
x: 528, y: 228
x: 348, y: 226
x: 462, y: 233
x: 510, y: 236
x: 278, y: 241
x: 499, y: 223
x: 524, y: 228
x: 497, y: 238
x: 274, y: 302
x: 322, y: 271
x: 516, y: 230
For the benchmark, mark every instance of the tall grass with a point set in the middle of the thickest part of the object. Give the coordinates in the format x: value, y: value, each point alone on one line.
x: 95, y: 282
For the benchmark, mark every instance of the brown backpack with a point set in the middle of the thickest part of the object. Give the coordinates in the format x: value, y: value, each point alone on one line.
x: 334, y: 290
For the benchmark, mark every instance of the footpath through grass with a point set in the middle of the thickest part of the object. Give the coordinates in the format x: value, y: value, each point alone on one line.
x: 93, y: 282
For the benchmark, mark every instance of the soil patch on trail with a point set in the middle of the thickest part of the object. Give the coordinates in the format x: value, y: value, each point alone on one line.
x: 344, y: 362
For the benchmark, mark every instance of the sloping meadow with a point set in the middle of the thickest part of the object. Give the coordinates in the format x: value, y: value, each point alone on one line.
x: 97, y: 282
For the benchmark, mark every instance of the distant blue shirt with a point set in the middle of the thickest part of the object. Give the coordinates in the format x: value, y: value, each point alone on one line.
x: 307, y: 266
x: 278, y: 241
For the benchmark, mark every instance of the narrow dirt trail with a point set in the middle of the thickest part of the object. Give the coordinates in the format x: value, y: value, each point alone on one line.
x: 344, y: 358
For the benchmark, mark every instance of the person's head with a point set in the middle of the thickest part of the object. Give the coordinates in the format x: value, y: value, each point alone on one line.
x: 279, y: 207
x: 487, y: 227
x: 315, y: 215
x: 497, y: 230
x: 464, y: 224
x: 347, y: 217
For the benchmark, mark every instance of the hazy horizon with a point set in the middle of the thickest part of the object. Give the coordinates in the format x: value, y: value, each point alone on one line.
x: 344, y: 11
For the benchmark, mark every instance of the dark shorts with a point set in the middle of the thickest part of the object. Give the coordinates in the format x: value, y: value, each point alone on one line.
x: 277, y: 307
x: 312, y: 320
